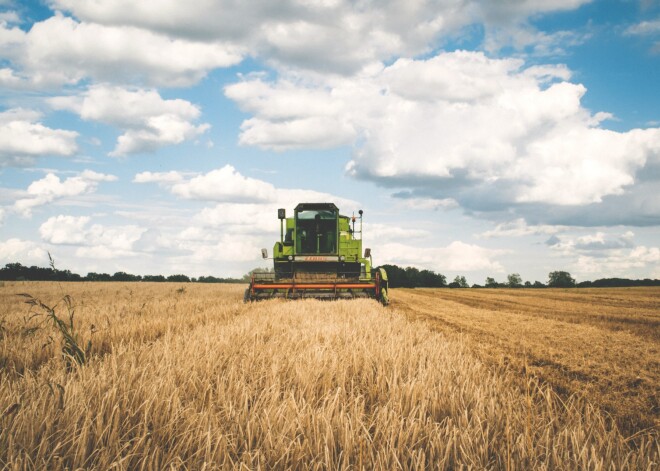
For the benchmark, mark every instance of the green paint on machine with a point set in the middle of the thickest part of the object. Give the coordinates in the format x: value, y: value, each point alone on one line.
x: 319, y: 255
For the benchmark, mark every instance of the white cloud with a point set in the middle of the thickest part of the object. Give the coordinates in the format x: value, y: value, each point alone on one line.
x: 388, y: 233
x: 23, y: 138
x: 227, y: 185
x: 158, y: 177
x: 148, y: 121
x: 224, y: 184
x: 224, y: 248
x: 592, y: 243
x: 455, y: 257
x: 619, y: 263
x: 24, y: 251
x: 94, y: 241
x: 520, y: 228
x: 64, y: 229
x: 426, y: 204
x: 460, y: 121
x: 60, y: 50
x: 336, y: 36
x: 51, y: 187
x: 320, y: 133
x: 644, y: 28
x: 8, y: 17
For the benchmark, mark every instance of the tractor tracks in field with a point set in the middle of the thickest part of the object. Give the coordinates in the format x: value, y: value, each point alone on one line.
x: 615, y: 370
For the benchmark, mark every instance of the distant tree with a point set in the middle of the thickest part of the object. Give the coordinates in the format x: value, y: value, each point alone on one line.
x: 154, y: 278
x: 514, y: 280
x: 560, y: 279
x: 396, y: 276
x: 123, y: 276
x: 92, y: 276
x: 67, y: 275
x: 178, y: 278
x: 431, y: 279
x: 538, y: 284
x: 476, y: 286
x: 528, y: 284
x: 459, y: 282
x: 208, y: 279
x: 413, y: 278
x: 491, y: 283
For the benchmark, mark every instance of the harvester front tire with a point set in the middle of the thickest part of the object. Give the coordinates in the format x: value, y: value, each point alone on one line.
x: 246, y: 296
x: 384, y: 298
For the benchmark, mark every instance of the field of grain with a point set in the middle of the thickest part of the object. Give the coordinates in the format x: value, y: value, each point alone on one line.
x: 188, y: 377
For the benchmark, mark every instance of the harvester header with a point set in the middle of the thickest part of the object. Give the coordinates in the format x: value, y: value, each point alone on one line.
x: 319, y: 255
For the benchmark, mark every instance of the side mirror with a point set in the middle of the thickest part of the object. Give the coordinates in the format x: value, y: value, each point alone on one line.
x: 281, y: 213
x: 264, y: 253
x: 367, y: 253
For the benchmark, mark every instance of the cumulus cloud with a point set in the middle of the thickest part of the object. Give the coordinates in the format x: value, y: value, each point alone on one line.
x: 520, y: 228
x: 224, y: 184
x: 644, y: 28
x: 619, y: 263
x: 51, y: 188
x: 61, y: 50
x: 258, y: 218
x: 228, y: 185
x: 599, y: 241
x: 26, y: 251
x: 148, y: 121
x: 592, y: 243
x: 243, y: 213
x: 424, y: 204
x: 463, y: 126
x: 456, y: 257
x: 23, y: 138
x: 606, y: 254
x: 158, y: 177
x: 329, y: 36
x: 222, y: 247
x: 95, y: 240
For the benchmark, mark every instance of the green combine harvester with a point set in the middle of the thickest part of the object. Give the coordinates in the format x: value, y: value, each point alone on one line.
x: 319, y: 255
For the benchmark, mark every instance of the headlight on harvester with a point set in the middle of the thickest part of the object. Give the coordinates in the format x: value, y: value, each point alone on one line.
x: 342, y: 258
x: 290, y: 258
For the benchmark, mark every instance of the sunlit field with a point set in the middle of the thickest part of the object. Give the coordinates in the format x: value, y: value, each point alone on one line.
x: 186, y: 376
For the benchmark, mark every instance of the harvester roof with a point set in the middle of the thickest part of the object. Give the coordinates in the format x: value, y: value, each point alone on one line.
x: 316, y: 207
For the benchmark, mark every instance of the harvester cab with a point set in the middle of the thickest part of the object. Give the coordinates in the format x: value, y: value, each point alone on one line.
x: 319, y: 255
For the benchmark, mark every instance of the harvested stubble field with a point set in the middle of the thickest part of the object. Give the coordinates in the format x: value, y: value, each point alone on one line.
x: 189, y: 377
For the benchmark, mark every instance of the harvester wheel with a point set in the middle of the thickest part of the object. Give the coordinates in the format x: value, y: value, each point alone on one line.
x: 246, y: 295
x: 384, y: 298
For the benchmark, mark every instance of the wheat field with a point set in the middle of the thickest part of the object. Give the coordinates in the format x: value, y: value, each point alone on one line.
x: 186, y: 376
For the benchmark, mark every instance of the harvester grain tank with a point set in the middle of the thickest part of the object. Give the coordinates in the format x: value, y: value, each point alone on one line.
x: 319, y: 255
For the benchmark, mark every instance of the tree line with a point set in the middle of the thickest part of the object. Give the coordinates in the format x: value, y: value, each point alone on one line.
x: 411, y: 277
x: 399, y: 277
x: 18, y: 272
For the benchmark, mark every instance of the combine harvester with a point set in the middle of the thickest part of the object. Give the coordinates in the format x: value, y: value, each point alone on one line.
x: 319, y: 256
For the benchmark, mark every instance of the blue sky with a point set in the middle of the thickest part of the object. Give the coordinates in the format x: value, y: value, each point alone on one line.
x: 480, y: 138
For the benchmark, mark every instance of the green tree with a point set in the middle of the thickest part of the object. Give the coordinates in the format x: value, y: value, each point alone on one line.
x: 178, y: 278
x: 490, y: 282
x: 560, y: 279
x: 514, y: 280
x: 459, y: 282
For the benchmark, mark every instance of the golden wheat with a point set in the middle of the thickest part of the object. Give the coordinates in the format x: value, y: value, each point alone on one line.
x: 198, y: 380
x: 603, y: 344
